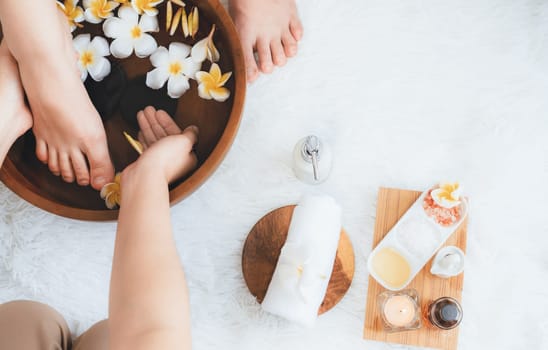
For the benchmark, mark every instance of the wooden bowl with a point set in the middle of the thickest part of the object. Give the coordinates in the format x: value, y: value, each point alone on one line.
x: 262, y: 249
x: 118, y: 98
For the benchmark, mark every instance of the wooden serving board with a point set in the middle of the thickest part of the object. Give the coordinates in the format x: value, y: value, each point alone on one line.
x: 391, y: 205
x: 262, y: 249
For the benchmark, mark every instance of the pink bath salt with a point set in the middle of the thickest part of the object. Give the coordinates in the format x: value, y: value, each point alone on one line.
x: 443, y: 216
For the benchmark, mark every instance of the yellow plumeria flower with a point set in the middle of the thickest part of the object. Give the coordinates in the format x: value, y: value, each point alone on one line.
x: 211, y: 85
x: 98, y: 10
x: 146, y: 6
x: 123, y: 2
x: 73, y: 12
x: 111, y: 192
x: 447, y: 195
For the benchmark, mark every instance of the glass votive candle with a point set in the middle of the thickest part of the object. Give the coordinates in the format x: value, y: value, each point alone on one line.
x: 400, y: 311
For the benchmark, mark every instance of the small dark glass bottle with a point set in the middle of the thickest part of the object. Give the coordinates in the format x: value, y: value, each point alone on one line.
x: 445, y: 313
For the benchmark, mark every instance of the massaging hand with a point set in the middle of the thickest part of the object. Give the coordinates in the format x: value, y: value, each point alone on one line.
x: 166, y: 146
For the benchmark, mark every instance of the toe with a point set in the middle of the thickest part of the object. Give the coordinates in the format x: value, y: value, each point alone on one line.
x: 102, y: 171
x: 290, y: 44
x: 265, y: 56
x: 42, y: 151
x: 80, y: 167
x: 251, y: 69
x: 296, y: 28
x: 66, y: 167
x: 53, y: 161
x: 278, y: 54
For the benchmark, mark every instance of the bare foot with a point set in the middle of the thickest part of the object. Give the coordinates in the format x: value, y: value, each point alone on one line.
x: 69, y: 131
x: 165, y: 144
x: 270, y: 27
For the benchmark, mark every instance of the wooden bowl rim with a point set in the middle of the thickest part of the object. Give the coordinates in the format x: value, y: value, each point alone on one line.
x: 21, y: 186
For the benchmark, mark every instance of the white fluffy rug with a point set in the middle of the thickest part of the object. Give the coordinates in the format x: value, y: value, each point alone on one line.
x: 407, y: 93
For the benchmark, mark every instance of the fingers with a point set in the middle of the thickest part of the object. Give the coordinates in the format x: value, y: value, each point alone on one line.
x: 191, y: 133
x: 155, y: 125
x: 168, y: 124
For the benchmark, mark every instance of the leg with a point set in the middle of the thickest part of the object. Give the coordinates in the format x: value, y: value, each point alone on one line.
x: 67, y: 127
x: 32, y: 326
x: 273, y: 36
x: 96, y: 338
x: 15, y: 117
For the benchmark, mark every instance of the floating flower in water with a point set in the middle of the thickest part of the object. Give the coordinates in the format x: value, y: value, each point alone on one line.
x: 211, y: 85
x: 98, y: 10
x: 137, y: 146
x: 111, y: 192
x: 205, y: 48
x: 91, y: 56
x: 130, y: 33
x: 173, y: 66
x: 447, y: 195
x: 146, y: 6
x: 73, y: 12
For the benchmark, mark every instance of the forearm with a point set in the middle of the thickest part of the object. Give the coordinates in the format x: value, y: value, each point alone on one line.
x: 33, y: 29
x: 148, y: 289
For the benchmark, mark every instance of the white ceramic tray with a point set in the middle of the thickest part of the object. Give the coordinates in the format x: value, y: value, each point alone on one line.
x: 416, y: 237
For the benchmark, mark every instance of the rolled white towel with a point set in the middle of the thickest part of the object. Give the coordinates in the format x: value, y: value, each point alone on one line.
x: 304, y: 267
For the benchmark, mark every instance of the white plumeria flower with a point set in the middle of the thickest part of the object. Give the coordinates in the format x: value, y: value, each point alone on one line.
x: 91, y: 56
x: 175, y: 67
x: 130, y: 33
x: 146, y: 6
x: 98, y: 10
x: 73, y: 12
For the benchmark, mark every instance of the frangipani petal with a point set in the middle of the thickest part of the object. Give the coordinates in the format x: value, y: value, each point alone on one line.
x: 215, y: 72
x: 191, y: 67
x: 160, y: 57
x: 149, y: 23
x: 129, y: 15
x: 203, y: 92
x: 205, y: 79
x: 225, y: 78
x: 90, y: 17
x: 157, y: 78
x: 178, y: 51
x: 121, y: 48
x: 83, y: 72
x: 145, y: 45
x: 100, y: 69
x: 199, y: 51
x: 100, y: 46
x: 115, y: 27
x: 177, y: 85
x: 220, y: 94
x: 81, y: 42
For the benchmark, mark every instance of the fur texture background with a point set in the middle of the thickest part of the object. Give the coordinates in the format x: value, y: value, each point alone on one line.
x: 407, y: 93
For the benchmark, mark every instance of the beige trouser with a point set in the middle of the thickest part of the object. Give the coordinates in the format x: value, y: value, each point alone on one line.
x: 28, y: 325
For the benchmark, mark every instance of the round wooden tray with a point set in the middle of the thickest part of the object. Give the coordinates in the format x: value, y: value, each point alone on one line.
x: 262, y: 249
x: 25, y: 175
